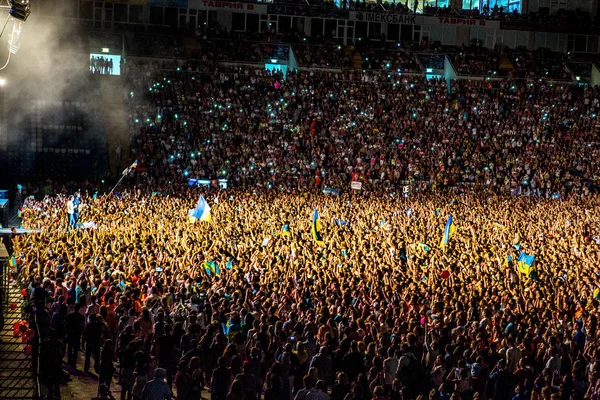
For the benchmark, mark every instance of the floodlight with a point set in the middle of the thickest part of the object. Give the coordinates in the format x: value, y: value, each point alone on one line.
x: 19, y: 9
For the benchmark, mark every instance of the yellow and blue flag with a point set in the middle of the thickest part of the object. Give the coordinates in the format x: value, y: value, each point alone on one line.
x: 211, y: 268
x: 500, y: 226
x: 316, y: 228
x: 131, y: 168
x: 12, y: 262
x: 448, y: 231
x: 424, y: 246
x: 525, y: 263
x: 285, y: 230
x: 201, y: 212
x: 596, y: 294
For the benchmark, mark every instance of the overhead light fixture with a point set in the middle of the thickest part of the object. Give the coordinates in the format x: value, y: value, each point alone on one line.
x: 2, y: 82
x: 19, y: 9
x: 274, y: 60
x: 105, y: 50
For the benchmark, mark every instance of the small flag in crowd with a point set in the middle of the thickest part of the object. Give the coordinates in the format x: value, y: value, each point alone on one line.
x: 448, y: 231
x: 285, y: 230
x: 201, y: 212
x: 339, y: 222
x: 229, y: 264
x: 424, y: 246
x: 211, y: 268
x: 525, y: 263
x: 331, y: 191
x: 131, y: 168
x: 500, y: 226
x: 316, y: 228
x: 403, y: 255
x: 12, y: 262
x: 596, y: 294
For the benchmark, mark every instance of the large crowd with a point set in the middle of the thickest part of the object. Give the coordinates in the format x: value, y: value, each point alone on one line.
x: 250, y: 305
x: 255, y: 128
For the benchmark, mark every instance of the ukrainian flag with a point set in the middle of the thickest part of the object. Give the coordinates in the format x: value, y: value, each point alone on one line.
x: 131, y: 168
x: 525, y: 263
x: 12, y: 262
x: 424, y: 246
x: 596, y: 294
x: 192, y: 216
x: 500, y: 226
x: 285, y: 230
x: 316, y: 229
x: 201, y: 212
x: 211, y: 268
x: 448, y: 231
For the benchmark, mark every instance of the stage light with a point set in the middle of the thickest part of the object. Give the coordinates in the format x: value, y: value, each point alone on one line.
x: 2, y: 82
x: 20, y: 9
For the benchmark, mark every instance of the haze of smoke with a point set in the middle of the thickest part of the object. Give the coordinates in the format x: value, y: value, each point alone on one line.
x: 50, y: 66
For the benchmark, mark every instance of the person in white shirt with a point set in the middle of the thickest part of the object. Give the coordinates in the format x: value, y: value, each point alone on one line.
x: 308, y: 388
x: 554, y: 362
x: 320, y: 393
x: 71, y: 212
x: 513, y: 355
x: 390, y: 367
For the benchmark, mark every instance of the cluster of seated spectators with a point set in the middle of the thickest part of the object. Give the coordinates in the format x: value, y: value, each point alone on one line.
x: 538, y: 64
x: 252, y: 126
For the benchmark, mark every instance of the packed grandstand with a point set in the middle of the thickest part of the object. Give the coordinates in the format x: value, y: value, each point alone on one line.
x: 359, y: 228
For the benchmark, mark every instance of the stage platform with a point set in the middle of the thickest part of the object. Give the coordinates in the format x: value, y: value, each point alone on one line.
x: 6, y: 231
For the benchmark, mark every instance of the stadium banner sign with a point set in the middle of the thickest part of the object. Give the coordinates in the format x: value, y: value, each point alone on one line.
x: 408, y: 19
x: 217, y: 5
x: 460, y: 21
x: 389, y: 18
x: 169, y: 3
x: 356, y: 185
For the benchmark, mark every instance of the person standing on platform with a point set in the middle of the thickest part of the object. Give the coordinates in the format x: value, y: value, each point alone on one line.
x: 76, y: 203
x: 71, y: 211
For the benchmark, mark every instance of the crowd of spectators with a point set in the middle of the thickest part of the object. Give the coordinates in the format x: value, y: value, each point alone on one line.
x: 475, y: 60
x: 250, y: 305
x: 538, y: 64
x: 580, y: 69
x: 433, y: 61
x: 256, y: 128
x: 326, y: 55
x: 398, y: 58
